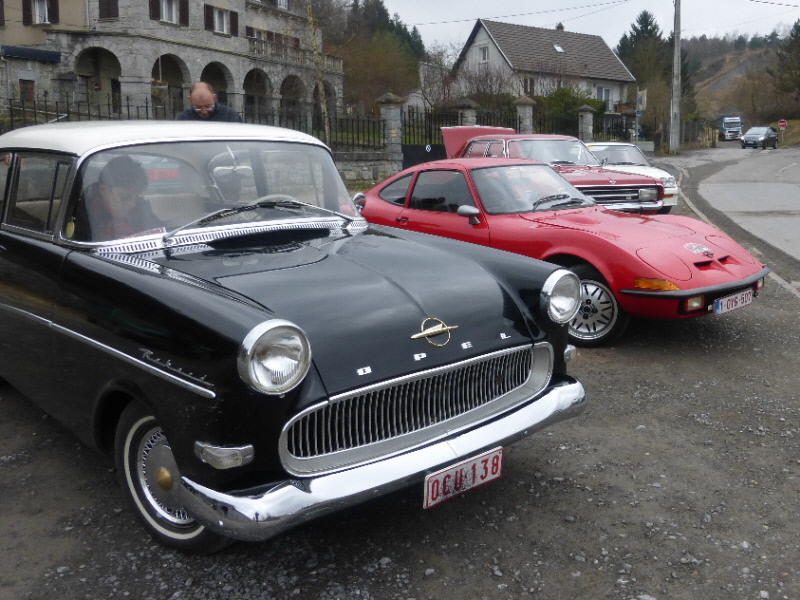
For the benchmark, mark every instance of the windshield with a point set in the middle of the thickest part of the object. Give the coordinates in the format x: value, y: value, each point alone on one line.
x: 757, y: 130
x: 161, y: 188
x: 553, y: 152
x: 619, y: 155
x: 517, y: 189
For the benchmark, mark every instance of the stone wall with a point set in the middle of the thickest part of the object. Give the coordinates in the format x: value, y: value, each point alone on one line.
x: 362, y: 170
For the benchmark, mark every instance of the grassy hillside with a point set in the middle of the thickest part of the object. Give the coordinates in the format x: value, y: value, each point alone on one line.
x: 716, y: 80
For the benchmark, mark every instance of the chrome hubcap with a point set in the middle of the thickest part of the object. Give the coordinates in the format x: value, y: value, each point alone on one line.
x: 597, y: 313
x: 158, y: 474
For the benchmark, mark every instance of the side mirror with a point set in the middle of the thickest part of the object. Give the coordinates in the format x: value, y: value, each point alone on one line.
x: 360, y: 200
x: 469, y: 211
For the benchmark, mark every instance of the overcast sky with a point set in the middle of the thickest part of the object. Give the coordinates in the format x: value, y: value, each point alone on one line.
x: 449, y: 22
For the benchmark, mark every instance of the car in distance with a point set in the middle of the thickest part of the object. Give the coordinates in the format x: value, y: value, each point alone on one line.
x: 659, y: 266
x: 760, y: 137
x: 628, y: 157
x: 570, y: 157
x: 204, y: 302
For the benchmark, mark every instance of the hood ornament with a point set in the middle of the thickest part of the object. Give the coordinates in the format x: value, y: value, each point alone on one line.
x: 432, y: 327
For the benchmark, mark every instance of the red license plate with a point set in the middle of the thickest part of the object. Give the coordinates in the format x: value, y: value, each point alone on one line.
x: 457, y: 479
x: 732, y: 302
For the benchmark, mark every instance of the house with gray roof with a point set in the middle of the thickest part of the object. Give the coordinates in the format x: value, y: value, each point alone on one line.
x: 533, y: 61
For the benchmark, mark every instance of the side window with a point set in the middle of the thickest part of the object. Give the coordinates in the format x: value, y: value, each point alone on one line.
x: 514, y: 150
x: 495, y: 149
x: 440, y: 191
x: 476, y: 149
x: 396, y: 191
x: 37, y: 191
x: 5, y: 164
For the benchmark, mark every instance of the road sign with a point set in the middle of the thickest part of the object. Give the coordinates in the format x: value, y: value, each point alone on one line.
x: 782, y: 124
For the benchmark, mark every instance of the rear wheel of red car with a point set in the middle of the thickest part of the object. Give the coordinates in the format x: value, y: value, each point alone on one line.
x: 149, y: 475
x: 600, y: 319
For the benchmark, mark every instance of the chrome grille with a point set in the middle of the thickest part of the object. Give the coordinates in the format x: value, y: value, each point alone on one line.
x: 607, y: 195
x: 404, y: 413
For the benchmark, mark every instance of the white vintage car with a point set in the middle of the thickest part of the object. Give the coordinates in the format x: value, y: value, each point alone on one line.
x: 628, y: 158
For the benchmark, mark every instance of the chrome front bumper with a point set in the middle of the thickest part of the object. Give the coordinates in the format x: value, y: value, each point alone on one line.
x: 635, y: 207
x: 288, y: 503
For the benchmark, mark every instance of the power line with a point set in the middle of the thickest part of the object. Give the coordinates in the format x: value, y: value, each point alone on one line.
x: 527, y: 14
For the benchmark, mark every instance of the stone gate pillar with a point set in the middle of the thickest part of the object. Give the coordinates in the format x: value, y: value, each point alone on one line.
x: 586, y: 123
x: 525, y: 107
x: 392, y: 116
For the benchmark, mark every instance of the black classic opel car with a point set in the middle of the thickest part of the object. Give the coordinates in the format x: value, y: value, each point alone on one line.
x: 204, y: 302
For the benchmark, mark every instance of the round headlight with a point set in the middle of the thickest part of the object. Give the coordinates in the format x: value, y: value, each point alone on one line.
x: 274, y: 357
x: 561, y: 296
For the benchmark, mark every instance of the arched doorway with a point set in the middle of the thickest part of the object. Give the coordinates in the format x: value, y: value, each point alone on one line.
x: 167, y: 82
x: 98, y: 72
x: 219, y: 77
x: 257, y: 93
x: 330, y: 103
x: 292, y: 93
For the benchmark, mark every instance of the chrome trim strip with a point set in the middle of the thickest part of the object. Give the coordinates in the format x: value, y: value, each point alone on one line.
x: 257, y: 516
x: 166, y: 375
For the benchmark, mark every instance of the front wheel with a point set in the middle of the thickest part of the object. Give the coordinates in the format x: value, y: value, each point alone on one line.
x: 149, y: 476
x: 600, y: 319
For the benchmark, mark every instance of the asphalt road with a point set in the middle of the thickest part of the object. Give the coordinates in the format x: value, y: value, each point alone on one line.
x: 752, y: 194
x: 679, y: 482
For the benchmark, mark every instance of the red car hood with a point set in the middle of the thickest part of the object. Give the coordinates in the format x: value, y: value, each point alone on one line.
x: 583, y: 175
x: 683, y: 249
x: 627, y: 229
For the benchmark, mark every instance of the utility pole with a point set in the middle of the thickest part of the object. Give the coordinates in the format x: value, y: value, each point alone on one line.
x: 675, y: 112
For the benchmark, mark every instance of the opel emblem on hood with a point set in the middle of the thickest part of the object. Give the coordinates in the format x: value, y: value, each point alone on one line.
x: 431, y: 328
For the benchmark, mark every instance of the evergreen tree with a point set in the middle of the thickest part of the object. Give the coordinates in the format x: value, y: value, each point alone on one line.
x: 787, y: 72
x: 644, y: 51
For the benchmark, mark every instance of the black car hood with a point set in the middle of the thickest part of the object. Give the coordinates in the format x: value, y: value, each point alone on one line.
x: 360, y: 298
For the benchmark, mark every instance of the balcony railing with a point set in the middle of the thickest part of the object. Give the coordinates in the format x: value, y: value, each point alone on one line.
x: 300, y: 56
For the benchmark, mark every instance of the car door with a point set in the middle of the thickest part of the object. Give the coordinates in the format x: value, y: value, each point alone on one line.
x: 29, y: 267
x: 432, y: 206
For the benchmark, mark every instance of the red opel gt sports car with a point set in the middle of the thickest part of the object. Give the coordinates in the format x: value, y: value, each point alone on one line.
x: 630, y: 265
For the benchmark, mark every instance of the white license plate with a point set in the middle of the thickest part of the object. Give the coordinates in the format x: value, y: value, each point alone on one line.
x: 459, y: 478
x: 732, y: 302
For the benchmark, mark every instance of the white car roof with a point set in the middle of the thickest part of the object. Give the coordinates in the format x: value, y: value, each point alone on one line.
x: 590, y: 144
x: 82, y: 137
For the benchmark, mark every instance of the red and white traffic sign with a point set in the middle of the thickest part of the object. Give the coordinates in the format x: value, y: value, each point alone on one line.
x: 782, y: 124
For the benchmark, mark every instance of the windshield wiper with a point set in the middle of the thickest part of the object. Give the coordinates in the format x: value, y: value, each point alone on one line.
x: 549, y: 199
x: 283, y: 201
x: 563, y: 162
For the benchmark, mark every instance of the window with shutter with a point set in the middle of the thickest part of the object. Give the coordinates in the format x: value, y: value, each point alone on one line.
x: 109, y: 9
x: 52, y: 11
x: 184, y: 13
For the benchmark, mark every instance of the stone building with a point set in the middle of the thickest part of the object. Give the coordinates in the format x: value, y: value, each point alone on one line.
x: 259, y: 55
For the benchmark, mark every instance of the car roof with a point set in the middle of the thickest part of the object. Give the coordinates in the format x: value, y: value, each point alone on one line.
x: 473, y: 163
x: 82, y: 137
x: 524, y: 136
x: 600, y: 143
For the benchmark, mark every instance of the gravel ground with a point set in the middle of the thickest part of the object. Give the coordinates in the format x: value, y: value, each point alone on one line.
x: 680, y: 481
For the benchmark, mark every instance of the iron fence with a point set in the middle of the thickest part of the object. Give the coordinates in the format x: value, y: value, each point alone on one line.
x: 343, y: 133
x: 499, y: 119
x: 421, y: 128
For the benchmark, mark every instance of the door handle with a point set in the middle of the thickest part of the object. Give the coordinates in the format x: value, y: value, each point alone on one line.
x: 402, y: 220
